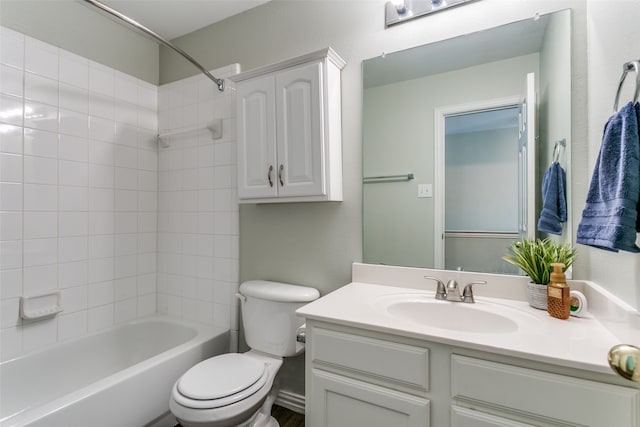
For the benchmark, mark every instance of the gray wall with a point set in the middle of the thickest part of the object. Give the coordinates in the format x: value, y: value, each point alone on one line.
x: 78, y: 28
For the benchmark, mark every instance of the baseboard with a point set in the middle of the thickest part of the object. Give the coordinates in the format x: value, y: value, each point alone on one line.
x: 290, y: 400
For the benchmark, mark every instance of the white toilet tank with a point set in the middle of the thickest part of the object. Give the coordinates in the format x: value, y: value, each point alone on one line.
x: 269, y: 315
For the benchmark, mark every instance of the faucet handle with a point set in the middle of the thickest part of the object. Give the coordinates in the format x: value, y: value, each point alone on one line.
x: 467, y: 294
x: 441, y: 292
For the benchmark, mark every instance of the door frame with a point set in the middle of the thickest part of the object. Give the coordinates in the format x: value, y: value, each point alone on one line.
x: 440, y: 114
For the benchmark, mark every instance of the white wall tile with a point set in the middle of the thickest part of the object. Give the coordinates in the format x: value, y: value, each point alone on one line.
x: 100, y: 293
x: 40, y: 225
x: 73, y: 249
x: 74, y: 123
x: 41, y: 58
x: 73, y: 198
x: 10, y: 313
x: 100, y: 318
x: 10, y: 342
x: 11, y: 80
x: 126, y: 179
x: 125, y: 310
x: 74, y: 299
x: 41, y: 89
x: 11, y: 169
x: 39, y: 334
x: 72, y: 325
x: 12, y: 52
x: 13, y: 110
x: 101, y: 106
x: 101, y: 199
x: 74, y: 70
x: 73, y: 173
x: 11, y: 283
x: 101, y: 79
x: 101, y: 246
x: 126, y: 288
x: 102, y: 129
x: 101, y: 223
x: 73, y: 274
x: 73, y: 98
x: 40, y: 279
x: 101, y: 270
x: 40, y: 143
x: 40, y: 252
x: 101, y: 176
x: 40, y: 170
x: 11, y: 139
x: 146, y: 304
x: 73, y: 148
x: 40, y: 116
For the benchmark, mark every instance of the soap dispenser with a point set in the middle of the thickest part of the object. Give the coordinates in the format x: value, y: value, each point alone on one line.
x: 558, y: 293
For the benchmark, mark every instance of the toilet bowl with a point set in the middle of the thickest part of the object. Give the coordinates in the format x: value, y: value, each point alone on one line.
x: 238, y: 389
x: 227, y: 390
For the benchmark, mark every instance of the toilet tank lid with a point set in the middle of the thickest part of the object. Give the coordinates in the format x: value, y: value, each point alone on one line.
x: 275, y: 291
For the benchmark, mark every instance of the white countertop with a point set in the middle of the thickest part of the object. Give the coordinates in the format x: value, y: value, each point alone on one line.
x: 581, y: 343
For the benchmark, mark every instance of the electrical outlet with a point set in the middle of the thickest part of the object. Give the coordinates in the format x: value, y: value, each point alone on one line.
x: 425, y: 190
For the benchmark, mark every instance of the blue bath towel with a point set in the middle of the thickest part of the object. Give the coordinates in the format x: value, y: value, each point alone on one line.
x: 554, y: 200
x: 610, y: 217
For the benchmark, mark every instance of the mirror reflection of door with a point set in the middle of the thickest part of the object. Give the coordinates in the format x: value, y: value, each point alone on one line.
x: 482, y: 192
x: 487, y: 150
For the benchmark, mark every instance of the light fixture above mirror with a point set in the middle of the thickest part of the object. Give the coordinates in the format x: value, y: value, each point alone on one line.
x: 398, y: 11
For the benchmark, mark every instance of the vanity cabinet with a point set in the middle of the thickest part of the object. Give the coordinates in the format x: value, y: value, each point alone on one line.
x: 352, y: 383
x: 359, y: 377
x: 289, y: 130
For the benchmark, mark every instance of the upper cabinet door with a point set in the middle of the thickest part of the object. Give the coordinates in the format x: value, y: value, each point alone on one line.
x: 257, y: 163
x: 299, y: 130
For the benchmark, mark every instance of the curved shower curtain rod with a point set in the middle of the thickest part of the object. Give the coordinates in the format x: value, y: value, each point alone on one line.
x: 217, y: 81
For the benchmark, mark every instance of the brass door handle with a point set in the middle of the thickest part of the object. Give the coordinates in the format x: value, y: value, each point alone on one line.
x: 625, y: 360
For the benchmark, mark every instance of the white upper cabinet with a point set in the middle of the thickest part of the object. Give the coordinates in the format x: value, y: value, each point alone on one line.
x: 289, y: 130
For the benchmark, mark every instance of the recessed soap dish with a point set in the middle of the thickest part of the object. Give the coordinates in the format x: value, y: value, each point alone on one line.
x: 40, y: 306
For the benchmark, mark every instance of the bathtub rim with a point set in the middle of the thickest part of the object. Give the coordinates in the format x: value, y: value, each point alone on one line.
x: 203, y: 333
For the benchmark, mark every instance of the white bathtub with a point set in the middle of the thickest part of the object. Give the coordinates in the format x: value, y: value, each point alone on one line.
x: 120, y: 377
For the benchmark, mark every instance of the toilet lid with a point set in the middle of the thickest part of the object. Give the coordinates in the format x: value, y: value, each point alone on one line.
x: 221, y: 376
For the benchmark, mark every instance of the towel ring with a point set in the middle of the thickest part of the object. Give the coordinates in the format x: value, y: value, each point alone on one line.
x: 633, y: 65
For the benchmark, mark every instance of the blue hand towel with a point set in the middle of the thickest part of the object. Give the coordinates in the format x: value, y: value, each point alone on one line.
x: 554, y: 200
x: 610, y: 217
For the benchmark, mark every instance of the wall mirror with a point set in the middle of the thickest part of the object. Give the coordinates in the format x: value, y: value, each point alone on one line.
x: 457, y: 135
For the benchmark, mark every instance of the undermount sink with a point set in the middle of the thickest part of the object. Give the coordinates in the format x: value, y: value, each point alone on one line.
x: 480, y: 317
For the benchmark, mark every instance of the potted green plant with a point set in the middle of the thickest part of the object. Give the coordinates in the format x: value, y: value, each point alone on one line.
x: 535, y: 257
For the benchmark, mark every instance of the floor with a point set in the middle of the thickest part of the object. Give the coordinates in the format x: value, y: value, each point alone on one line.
x: 285, y: 417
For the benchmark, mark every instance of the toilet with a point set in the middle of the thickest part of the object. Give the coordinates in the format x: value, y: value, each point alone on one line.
x: 238, y: 389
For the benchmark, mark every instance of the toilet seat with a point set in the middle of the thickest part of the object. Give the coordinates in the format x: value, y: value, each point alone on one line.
x: 220, y: 381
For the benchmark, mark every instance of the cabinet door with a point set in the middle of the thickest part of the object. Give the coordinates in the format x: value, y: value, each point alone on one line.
x: 463, y: 417
x: 257, y: 163
x: 339, y: 401
x: 300, y: 131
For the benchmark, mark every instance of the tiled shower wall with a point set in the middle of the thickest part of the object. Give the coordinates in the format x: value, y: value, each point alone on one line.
x: 197, y: 205
x: 80, y: 210
x: 78, y: 192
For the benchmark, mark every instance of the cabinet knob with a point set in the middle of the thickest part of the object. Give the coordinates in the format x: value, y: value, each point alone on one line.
x: 280, y: 175
x: 625, y: 360
x: 269, y: 172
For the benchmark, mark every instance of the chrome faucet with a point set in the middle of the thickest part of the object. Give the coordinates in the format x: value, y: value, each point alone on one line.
x: 451, y: 292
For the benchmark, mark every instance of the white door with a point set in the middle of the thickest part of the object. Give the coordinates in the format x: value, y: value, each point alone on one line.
x: 527, y: 179
x: 300, y: 132
x: 257, y: 161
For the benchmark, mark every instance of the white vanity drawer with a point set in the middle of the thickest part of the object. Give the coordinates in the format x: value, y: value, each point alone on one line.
x: 388, y: 361
x: 544, y: 395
